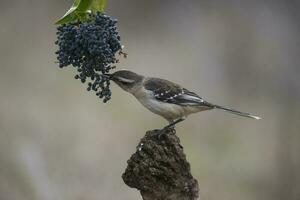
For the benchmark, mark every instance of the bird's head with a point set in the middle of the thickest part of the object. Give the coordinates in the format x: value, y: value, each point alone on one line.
x: 127, y: 80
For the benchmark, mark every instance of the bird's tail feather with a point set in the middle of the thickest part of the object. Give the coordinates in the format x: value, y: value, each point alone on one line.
x: 237, y: 112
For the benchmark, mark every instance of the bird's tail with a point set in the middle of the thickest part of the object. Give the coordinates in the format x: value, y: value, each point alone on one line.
x: 236, y: 112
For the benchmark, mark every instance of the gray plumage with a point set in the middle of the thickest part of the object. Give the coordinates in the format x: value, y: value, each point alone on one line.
x: 166, y: 98
x: 169, y: 92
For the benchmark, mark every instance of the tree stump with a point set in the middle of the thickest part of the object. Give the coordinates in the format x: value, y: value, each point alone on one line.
x: 159, y: 169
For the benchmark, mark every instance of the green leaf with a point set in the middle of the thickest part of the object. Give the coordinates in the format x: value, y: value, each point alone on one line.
x: 68, y: 17
x: 77, y: 11
x: 98, y: 5
x: 84, y: 5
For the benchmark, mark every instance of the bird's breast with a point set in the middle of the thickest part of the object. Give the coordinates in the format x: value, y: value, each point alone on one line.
x: 166, y: 110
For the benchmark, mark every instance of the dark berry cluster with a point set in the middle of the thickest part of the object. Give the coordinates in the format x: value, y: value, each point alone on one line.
x: 90, y: 47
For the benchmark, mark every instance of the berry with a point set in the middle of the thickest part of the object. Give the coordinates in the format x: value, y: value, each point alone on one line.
x: 90, y: 47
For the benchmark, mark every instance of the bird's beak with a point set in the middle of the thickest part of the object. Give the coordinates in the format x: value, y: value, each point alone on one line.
x: 108, y: 76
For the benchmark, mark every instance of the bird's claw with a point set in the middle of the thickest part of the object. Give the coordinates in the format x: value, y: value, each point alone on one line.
x: 163, y: 132
x: 169, y: 130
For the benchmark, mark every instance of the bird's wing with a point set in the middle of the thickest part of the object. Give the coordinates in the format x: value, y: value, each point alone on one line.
x: 169, y: 92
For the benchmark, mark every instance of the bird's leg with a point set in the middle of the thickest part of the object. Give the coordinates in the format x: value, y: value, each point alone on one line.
x: 172, y: 125
x: 169, y: 129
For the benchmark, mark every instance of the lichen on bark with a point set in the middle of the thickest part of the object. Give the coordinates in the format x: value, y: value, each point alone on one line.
x: 159, y: 169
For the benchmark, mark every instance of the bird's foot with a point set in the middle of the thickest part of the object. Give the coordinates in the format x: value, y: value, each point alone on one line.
x: 169, y: 130
x: 160, y: 133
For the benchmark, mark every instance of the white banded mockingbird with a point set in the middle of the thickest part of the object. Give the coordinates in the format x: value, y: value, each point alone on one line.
x: 167, y: 99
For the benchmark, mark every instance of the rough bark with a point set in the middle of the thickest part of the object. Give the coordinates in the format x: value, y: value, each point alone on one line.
x: 159, y: 169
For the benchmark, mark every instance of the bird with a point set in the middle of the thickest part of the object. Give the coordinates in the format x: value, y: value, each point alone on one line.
x: 165, y: 98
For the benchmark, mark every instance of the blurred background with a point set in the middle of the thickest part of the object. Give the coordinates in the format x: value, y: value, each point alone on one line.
x: 59, y: 142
